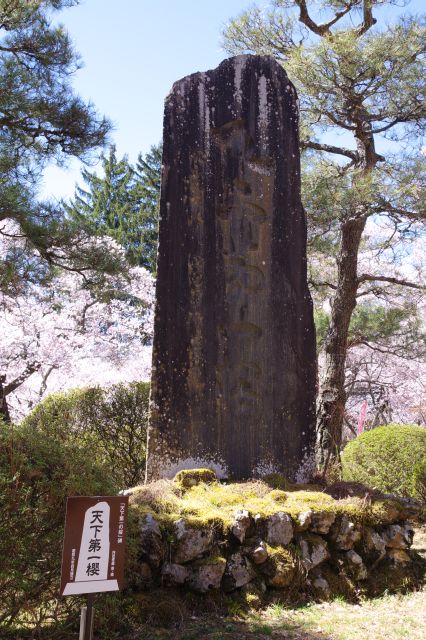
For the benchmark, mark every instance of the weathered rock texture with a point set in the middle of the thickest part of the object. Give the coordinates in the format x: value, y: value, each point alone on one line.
x: 234, y: 348
x: 208, y: 557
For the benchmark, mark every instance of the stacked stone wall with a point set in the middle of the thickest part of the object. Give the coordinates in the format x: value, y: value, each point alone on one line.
x: 321, y: 551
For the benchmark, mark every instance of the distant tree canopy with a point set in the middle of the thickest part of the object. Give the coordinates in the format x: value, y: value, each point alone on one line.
x: 64, y: 335
x: 362, y: 106
x: 42, y: 120
x: 123, y: 203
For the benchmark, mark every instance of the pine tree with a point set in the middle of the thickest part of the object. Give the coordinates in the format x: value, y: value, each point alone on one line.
x: 147, y: 193
x: 364, y: 83
x: 41, y: 120
x: 106, y: 203
x: 123, y: 203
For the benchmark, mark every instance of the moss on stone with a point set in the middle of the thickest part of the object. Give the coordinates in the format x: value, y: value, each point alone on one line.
x: 313, y: 538
x: 214, y: 504
x: 278, y: 495
x: 387, y: 511
x: 188, y: 478
x: 277, y: 481
x: 340, y: 584
x: 253, y: 600
x: 393, y: 578
x: 280, y: 553
x: 212, y: 507
x: 209, y: 560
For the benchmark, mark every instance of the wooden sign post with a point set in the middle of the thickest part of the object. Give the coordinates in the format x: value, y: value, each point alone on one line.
x: 93, y: 551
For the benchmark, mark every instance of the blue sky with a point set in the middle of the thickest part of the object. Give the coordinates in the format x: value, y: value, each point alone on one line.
x: 133, y: 51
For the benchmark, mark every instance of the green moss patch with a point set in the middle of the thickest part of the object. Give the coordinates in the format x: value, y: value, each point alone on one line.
x: 215, y: 504
x: 278, y: 495
x: 188, y: 478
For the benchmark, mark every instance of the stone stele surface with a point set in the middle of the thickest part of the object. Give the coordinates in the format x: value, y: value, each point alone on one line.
x: 234, y: 344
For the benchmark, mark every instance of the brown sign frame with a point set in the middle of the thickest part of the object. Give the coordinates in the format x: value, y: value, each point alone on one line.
x: 94, y: 544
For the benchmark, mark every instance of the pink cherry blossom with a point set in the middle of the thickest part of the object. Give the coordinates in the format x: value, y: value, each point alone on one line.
x: 63, y: 336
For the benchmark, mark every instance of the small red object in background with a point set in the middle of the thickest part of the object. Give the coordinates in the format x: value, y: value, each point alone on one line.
x: 362, y: 415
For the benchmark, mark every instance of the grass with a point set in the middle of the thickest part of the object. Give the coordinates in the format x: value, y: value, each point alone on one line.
x: 390, y: 617
x: 387, y: 618
x: 393, y: 617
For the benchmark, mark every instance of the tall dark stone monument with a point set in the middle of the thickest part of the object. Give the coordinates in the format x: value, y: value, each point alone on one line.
x: 234, y: 376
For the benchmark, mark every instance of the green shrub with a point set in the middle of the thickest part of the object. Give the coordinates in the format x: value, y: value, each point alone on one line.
x: 419, y: 479
x: 112, y: 420
x: 37, y: 473
x: 385, y: 458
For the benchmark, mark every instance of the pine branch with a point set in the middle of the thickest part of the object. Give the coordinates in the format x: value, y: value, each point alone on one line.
x: 386, y: 207
x: 321, y: 29
x: 329, y: 148
x: 315, y: 283
x: 400, y: 352
x: 387, y: 126
x: 335, y: 120
x: 368, y: 19
x: 365, y: 277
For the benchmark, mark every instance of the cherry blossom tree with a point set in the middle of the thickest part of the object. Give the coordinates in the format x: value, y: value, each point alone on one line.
x: 386, y: 363
x: 393, y: 386
x: 73, y: 331
x: 386, y: 356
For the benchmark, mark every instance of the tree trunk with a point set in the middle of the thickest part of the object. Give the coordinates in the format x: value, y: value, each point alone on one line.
x: 4, y: 409
x: 332, y: 399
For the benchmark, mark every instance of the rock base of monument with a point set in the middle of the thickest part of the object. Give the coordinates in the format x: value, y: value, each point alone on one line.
x: 254, y: 540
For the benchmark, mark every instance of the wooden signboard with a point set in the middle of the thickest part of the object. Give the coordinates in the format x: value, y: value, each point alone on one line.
x: 94, y: 543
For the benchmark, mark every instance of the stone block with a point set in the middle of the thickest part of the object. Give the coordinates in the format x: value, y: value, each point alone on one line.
x: 234, y: 366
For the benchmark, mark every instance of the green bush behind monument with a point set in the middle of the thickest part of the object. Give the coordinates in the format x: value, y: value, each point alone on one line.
x: 390, y: 458
x: 419, y: 476
x: 112, y: 420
